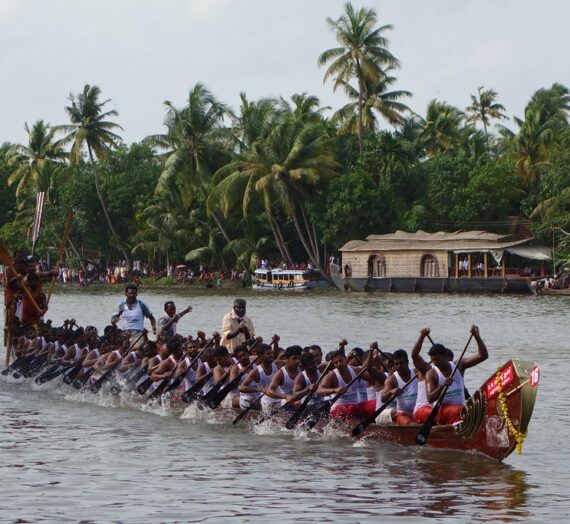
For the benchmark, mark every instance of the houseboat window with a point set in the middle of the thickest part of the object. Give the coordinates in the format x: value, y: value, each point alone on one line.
x: 376, y: 266
x: 429, y: 266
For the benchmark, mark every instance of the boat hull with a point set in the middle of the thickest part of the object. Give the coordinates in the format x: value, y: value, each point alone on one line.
x: 483, y: 428
x: 429, y: 284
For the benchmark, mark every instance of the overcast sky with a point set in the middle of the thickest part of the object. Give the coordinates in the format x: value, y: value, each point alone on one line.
x: 142, y: 52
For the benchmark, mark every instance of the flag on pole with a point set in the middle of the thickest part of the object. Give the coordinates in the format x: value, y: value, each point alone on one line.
x: 40, y: 197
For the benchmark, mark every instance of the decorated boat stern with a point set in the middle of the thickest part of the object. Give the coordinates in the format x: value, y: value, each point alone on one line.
x: 494, y: 420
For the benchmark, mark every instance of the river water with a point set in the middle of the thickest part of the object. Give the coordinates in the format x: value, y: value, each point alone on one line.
x: 70, y: 457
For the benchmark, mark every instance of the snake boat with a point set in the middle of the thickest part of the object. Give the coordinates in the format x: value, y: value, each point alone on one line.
x: 494, y: 420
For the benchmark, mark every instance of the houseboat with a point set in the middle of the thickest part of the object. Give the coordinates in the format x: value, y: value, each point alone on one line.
x: 288, y: 279
x: 462, y: 261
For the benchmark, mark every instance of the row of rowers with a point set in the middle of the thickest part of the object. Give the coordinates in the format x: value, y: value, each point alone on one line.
x: 273, y: 378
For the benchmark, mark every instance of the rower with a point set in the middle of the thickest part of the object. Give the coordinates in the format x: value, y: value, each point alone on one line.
x: 224, y: 364
x: 305, y: 380
x: 257, y: 381
x: 206, y: 369
x: 280, y: 390
x: 440, y: 376
x: 423, y: 406
x: 336, y: 381
x: 394, y: 387
x: 241, y: 354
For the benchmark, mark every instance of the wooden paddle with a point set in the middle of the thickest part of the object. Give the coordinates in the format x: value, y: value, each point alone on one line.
x: 7, y: 260
x: 325, y: 408
x: 60, y: 252
x: 358, y: 429
x: 176, y: 382
x: 96, y: 386
x: 217, y: 398
x: 245, y: 411
x: 423, y: 433
x: 192, y: 393
x: 216, y: 388
x: 296, y: 416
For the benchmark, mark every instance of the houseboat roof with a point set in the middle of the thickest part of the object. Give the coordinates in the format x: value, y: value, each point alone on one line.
x: 278, y: 271
x: 456, y: 242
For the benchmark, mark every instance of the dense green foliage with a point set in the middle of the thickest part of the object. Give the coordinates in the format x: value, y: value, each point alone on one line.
x: 276, y: 179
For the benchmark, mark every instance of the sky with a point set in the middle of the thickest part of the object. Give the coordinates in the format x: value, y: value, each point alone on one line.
x: 142, y: 53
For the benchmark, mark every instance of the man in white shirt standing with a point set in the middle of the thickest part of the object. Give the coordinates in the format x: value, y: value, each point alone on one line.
x: 132, y: 312
x: 237, y: 328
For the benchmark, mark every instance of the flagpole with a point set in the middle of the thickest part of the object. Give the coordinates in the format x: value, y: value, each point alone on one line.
x: 66, y: 230
x: 40, y: 198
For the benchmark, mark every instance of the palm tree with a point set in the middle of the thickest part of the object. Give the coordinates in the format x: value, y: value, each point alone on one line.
x: 546, y: 115
x: 195, y: 147
x: 362, y: 54
x: 484, y: 107
x: 442, y: 128
x: 378, y: 99
x: 32, y: 163
x: 91, y: 129
x: 254, y: 120
x: 281, y: 172
x: 304, y: 108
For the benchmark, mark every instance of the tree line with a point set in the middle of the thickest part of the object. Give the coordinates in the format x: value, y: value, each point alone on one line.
x: 277, y: 178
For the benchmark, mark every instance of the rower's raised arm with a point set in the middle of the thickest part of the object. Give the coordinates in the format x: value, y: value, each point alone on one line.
x: 482, y: 352
x: 419, y: 363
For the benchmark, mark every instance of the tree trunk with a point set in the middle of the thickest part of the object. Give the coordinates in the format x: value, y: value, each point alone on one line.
x: 306, y: 245
x: 104, y: 206
x: 360, y: 125
x: 279, y: 239
x: 74, y: 249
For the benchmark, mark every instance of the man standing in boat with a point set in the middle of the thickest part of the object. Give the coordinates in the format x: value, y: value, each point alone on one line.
x: 237, y: 328
x: 132, y: 312
x: 168, y: 322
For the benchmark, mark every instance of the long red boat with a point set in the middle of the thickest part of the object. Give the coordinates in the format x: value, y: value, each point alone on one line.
x: 494, y: 420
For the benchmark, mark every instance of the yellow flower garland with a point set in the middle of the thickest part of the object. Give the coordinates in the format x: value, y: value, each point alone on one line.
x: 519, y: 436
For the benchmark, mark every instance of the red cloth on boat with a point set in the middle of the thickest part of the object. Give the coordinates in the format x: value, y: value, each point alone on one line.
x: 422, y: 413
x: 360, y: 410
x: 449, y: 413
x: 403, y: 419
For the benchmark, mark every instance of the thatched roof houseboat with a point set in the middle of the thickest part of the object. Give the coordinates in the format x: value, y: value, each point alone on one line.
x: 464, y: 261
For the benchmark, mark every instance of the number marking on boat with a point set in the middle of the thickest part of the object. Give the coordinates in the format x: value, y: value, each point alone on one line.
x: 534, y: 376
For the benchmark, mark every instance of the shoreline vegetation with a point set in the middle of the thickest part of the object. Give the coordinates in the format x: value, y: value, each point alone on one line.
x: 285, y: 179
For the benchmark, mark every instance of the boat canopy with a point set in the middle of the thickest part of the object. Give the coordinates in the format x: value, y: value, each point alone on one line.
x: 531, y: 252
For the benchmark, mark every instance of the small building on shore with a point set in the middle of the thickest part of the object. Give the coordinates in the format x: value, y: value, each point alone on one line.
x: 409, y: 258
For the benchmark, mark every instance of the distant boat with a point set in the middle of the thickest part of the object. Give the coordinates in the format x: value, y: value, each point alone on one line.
x: 288, y: 279
x: 538, y: 290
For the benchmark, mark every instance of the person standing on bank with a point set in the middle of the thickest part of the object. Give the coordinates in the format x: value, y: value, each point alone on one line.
x: 132, y: 312
x: 237, y: 328
x: 167, y: 323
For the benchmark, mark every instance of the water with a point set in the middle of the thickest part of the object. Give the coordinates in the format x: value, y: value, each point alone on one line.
x: 69, y: 457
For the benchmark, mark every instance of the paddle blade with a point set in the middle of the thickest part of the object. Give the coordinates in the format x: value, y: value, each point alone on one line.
x: 292, y: 422
x: 358, y: 430
x: 5, y: 256
x: 423, y: 433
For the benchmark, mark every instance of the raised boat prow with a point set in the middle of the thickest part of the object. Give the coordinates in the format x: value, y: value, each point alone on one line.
x: 494, y: 420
